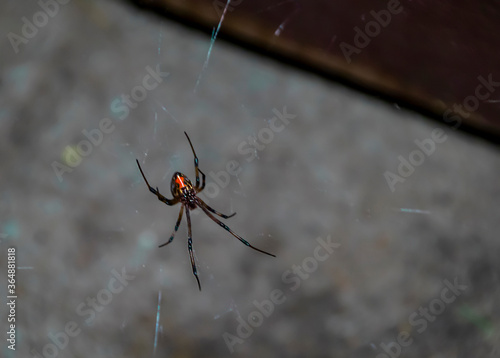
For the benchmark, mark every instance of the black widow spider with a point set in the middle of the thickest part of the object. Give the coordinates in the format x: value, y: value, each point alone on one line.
x: 184, y: 192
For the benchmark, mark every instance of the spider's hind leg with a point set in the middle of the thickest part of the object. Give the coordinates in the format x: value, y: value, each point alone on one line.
x: 233, y: 233
x: 176, y: 227
x: 202, y: 204
x: 190, y: 248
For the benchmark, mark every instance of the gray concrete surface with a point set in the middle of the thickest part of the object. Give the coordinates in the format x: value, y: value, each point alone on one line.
x: 383, y: 287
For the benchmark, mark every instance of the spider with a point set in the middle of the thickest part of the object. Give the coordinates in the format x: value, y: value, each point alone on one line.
x: 184, y: 192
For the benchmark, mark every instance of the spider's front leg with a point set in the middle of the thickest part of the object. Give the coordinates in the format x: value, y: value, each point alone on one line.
x: 156, y: 191
x: 202, y: 182
x: 196, y: 169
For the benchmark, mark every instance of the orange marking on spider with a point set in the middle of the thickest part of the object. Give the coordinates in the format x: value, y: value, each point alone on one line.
x: 180, y: 181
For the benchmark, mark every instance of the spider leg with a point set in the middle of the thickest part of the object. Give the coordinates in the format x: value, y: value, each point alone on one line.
x: 190, y: 248
x: 203, y: 204
x: 176, y: 227
x: 156, y: 191
x: 198, y: 171
x: 232, y: 232
x: 202, y: 182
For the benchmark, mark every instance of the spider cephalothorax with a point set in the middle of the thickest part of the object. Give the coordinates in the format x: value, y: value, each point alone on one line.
x: 184, y: 192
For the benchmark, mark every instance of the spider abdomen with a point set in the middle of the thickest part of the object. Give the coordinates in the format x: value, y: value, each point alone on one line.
x: 182, y: 188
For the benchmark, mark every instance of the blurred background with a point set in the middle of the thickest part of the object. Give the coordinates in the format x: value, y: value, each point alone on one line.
x: 357, y: 143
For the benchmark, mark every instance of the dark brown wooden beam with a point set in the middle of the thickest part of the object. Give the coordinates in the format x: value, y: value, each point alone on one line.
x: 433, y: 58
